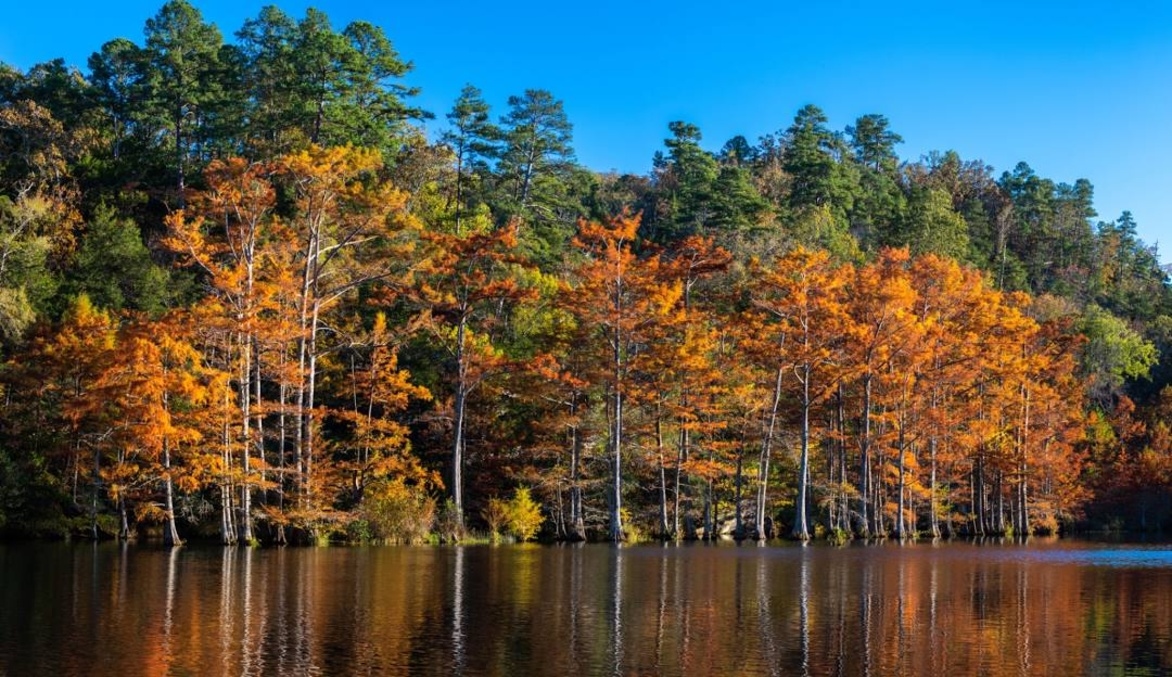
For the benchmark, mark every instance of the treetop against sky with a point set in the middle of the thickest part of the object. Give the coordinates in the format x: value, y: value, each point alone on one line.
x: 1076, y: 89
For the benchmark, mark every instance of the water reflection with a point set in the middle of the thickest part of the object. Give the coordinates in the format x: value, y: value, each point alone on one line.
x: 804, y: 608
x: 616, y: 593
x: 458, y: 611
x: 993, y: 609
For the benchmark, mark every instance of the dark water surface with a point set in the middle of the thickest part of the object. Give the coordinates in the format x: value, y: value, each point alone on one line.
x: 1052, y: 607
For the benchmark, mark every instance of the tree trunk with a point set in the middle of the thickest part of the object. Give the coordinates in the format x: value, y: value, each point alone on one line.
x: 616, y: 436
x: 460, y: 152
x: 260, y: 433
x: 865, y: 460
x: 1000, y: 501
x: 577, y: 523
x: 739, y: 527
x: 1023, y: 469
x: 801, y: 529
x: 664, y: 533
x: 245, y: 525
x: 901, y: 527
x: 933, y: 517
x: 901, y: 522
x: 844, y: 507
x: 681, y: 458
x: 170, y: 530
x: 763, y: 462
x: 979, y: 495
x: 97, y: 480
x: 227, y: 528
x: 457, y: 488
x: 709, y: 509
x: 302, y: 364
x: 311, y: 401
x: 181, y: 178
x: 123, y: 521
x: 616, y: 523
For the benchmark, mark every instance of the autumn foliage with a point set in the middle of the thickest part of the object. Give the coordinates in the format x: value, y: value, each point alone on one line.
x: 660, y: 390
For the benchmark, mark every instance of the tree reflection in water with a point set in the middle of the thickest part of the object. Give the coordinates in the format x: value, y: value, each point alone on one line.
x: 960, y: 608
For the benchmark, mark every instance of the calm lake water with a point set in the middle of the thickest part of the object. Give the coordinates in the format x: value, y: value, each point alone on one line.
x: 1049, y: 607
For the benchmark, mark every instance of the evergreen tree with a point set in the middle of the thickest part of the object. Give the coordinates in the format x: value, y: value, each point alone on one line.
x: 822, y: 187
x: 930, y: 226
x: 685, y: 179
x: 181, y: 56
x: 533, y: 173
x: 880, y: 202
x: 267, y: 44
x: 473, y: 140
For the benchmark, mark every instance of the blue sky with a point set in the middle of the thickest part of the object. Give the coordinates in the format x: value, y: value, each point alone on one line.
x: 1077, y: 89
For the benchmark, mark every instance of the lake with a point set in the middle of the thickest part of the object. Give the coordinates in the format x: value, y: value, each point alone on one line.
x: 1052, y: 607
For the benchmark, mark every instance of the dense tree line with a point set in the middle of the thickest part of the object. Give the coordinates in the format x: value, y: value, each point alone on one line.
x: 243, y: 294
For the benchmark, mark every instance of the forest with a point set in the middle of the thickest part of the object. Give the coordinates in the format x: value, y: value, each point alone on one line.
x: 250, y: 292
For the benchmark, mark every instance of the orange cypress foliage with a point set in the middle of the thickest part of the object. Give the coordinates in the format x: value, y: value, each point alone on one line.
x: 800, y: 301
x: 342, y: 213
x: 376, y: 446
x: 274, y: 283
x: 680, y: 382
x: 461, y: 287
x: 1051, y: 428
x: 61, y: 369
x: 618, y: 297
x: 560, y: 388
x: 949, y: 364
x: 883, y: 326
x: 155, y: 387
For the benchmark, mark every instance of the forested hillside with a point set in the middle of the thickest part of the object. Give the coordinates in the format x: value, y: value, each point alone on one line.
x: 250, y: 291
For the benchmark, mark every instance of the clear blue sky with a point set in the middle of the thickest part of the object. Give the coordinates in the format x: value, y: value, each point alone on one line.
x: 1077, y: 89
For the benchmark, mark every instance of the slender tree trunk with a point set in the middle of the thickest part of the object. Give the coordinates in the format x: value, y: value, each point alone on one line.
x: 245, y: 525
x: 227, y: 528
x: 170, y: 530
x: 527, y: 177
x: 831, y: 479
x: 933, y: 517
x: 460, y: 405
x: 664, y: 533
x: 901, y: 448
x: 616, y: 435
x: 979, y: 493
x: 1023, y: 469
x: 739, y: 525
x: 181, y: 173
x: 577, y: 523
x: 763, y: 462
x: 302, y: 366
x: 307, y: 366
x: 801, y: 528
x: 901, y: 522
x: 1000, y: 501
x: 460, y: 189
x: 260, y: 433
x: 123, y: 521
x: 283, y: 445
x: 616, y: 524
x: 865, y: 459
x: 318, y: 117
x: 844, y: 507
x: 97, y: 483
x: 709, y: 512
x: 283, y: 439
x: 311, y: 402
